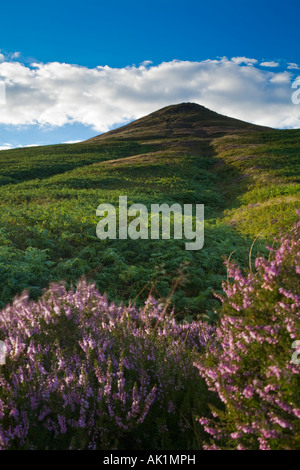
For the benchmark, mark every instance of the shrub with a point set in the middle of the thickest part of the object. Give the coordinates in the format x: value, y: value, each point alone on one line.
x: 250, y: 365
x: 81, y: 373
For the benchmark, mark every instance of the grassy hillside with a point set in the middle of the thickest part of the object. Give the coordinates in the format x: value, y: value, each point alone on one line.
x: 247, y: 177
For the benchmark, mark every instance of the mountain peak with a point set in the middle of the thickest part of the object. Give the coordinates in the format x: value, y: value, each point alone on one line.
x: 179, y: 120
x: 185, y: 107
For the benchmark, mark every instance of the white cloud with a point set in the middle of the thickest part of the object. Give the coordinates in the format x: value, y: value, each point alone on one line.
x: 283, y: 77
x: 15, y: 55
x: 269, y: 64
x: 293, y: 66
x: 9, y: 56
x: 55, y: 94
x: 243, y: 60
x: 145, y: 63
x: 6, y: 146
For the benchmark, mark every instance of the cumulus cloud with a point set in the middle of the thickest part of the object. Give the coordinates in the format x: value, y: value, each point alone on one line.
x: 244, y: 60
x: 293, y: 66
x: 55, y: 94
x: 270, y: 64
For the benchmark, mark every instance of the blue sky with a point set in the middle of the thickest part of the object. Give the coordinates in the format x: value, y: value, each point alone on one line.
x: 122, y: 36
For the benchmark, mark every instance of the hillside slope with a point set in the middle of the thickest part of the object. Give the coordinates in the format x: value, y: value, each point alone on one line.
x: 247, y: 177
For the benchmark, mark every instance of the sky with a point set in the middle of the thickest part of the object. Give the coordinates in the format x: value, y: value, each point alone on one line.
x: 71, y: 70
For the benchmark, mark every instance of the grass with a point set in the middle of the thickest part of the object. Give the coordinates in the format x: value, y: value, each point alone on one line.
x: 246, y: 176
x: 267, y: 192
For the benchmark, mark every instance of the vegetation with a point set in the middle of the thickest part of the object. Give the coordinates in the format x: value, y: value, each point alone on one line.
x: 86, y: 370
x: 81, y: 373
x: 251, y: 365
x: 245, y: 175
x: 85, y: 374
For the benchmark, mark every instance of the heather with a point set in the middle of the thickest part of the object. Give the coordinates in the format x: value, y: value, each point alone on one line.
x: 85, y: 374
x: 250, y: 365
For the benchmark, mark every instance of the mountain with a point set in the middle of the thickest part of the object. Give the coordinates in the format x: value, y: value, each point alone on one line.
x: 247, y: 177
x: 176, y: 121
